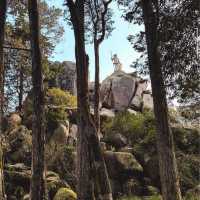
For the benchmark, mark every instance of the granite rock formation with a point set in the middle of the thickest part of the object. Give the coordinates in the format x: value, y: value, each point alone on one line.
x: 121, y: 91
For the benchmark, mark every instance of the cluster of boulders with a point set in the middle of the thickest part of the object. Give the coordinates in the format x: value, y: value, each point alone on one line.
x: 17, y: 146
x: 131, y: 169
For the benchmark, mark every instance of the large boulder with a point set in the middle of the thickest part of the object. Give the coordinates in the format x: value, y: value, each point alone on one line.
x: 62, y: 159
x: 72, y: 138
x: 67, y: 79
x: 122, y: 165
x: 19, y: 142
x: 13, y: 121
x: 17, y: 182
x: 117, y: 89
x: 125, y: 173
x: 116, y: 140
x: 121, y: 90
x: 60, y: 134
x: 65, y: 194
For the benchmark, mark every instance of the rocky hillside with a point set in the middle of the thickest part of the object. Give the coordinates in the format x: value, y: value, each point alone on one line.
x: 129, y: 148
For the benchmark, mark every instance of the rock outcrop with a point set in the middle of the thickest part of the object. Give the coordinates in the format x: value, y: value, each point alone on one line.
x: 66, y: 80
x: 19, y: 142
x: 65, y: 194
x: 121, y: 91
x: 17, y: 178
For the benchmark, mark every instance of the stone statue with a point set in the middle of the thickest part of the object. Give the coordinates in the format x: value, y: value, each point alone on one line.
x: 116, y: 63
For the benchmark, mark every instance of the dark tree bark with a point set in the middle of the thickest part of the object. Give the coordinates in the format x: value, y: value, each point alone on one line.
x: 21, y: 88
x: 98, y: 39
x: 38, y: 127
x: 96, y: 87
x: 90, y: 162
x: 3, y: 6
x: 165, y: 147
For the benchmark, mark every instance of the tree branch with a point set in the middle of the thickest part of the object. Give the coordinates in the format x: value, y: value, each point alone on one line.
x: 103, y: 20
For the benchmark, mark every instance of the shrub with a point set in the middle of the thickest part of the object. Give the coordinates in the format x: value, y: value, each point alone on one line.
x: 58, y: 101
x: 140, y: 131
x: 139, y: 128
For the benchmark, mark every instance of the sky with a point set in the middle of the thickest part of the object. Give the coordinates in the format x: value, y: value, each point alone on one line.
x: 117, y: 43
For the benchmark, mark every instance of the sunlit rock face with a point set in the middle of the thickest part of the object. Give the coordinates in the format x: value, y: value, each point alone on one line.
x: 121, y: 90
x: 67, y: 80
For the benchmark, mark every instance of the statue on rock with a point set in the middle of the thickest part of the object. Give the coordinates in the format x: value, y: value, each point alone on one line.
x: 116, y: 63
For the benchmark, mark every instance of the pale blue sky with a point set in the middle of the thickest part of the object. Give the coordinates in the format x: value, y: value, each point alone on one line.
x: 116, y: 43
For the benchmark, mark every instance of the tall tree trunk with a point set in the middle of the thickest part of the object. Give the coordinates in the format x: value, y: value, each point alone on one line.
x: 21, y: 88
x: 38, y: 127
x: 96, y: 88
x: 90, y: 161
x: 3, y: 6
x: 165, y: 147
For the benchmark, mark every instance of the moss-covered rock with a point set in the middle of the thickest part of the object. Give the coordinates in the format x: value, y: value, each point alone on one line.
x: 152, y: 190
x: 19, y: 145
x: 58, y: 100
x: 61, y: 159
x: 125, y: 173
x: 154, y: 197
x: 188, y: 166
x: 122, y: 165
x: 186, y: 140
x: 65, y: 194
x: 140, y: 132
x: 26, y: 197
x: 17, y: 181
x: 54, y: 183
x: 193, y: 194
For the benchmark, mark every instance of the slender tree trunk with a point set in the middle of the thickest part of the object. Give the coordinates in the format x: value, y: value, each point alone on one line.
x: 165, y: 147
x: 21, y: 88
x: 3, y: 7
x: 38, y: 128
x: 90, y: 161
x: 97, y: 88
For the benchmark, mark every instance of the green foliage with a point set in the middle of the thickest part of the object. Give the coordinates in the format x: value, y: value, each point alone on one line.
x: 98, y: 20
x: 52, y: 71
x: 137, y: 128
x: 156, y: 197
x: 65, y: 194
x: 51, y: 28
x: 188, y: 166
x: 193, y: 194
x: 180, y: 64
x: 187, y: 140
x: 58, y: 102
x: 59, y: 97
x: 140, y: 131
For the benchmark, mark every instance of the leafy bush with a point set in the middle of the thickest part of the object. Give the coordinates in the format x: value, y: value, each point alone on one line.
x: 140, y: 131
x: 58, y: 101
x: 137, y: 129
x: 187, y: 140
